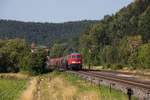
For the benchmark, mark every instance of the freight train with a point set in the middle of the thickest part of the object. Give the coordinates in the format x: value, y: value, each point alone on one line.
x: 72, y: 62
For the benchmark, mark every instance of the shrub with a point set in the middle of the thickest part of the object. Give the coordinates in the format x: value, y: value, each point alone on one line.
x: 117, y: 66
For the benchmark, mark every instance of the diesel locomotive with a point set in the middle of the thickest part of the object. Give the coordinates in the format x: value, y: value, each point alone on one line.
x: 72, y: 62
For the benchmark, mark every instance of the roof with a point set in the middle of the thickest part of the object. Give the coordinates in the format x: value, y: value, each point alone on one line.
x: 75, y: 54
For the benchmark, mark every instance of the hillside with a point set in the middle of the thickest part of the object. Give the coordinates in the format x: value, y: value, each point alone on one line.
x: 132, y: 20
x: 120, y: 40
x: 41, y: 33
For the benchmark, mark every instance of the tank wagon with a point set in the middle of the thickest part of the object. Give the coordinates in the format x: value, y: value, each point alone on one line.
x: 72, y: 61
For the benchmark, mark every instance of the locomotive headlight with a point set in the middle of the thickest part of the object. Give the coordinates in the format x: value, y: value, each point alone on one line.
x: 73, y: 62
x: 76, y: 62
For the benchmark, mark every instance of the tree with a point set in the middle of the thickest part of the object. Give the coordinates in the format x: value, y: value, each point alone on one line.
x: 58, y: 50
x: 11, y: 54
x: 35, y: 62
x: 144, y: 25
x: 134, y: 45
x: 144, y: 56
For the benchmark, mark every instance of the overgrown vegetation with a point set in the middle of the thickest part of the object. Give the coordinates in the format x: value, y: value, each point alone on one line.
x: 63, y: 86
x: 120, y: 40
x: 16, y: 56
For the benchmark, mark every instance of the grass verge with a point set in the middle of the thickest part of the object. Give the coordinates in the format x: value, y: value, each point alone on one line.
x: 63, y: 86
x: 11, y: 88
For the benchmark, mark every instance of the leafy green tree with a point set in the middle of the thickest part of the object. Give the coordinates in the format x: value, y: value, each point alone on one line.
x: 35, y: 62
x: 144, y: 24
x: 108, y: 55
x: 11, y: 54
x: 16, y: 49
x: 134, y: 45
x: 144, y: 56
x: 124, y: 50
x: 84, y: 53
x: 58, y: 50
x: 16, y: 56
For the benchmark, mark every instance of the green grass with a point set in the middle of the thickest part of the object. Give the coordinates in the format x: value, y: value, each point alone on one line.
x: 11, y: 88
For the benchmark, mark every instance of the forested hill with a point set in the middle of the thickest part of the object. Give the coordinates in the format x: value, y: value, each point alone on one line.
x: 122, y: 39
x: 41, y: 33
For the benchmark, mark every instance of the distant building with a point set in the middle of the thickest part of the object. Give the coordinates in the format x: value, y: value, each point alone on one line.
x: 34, y: 47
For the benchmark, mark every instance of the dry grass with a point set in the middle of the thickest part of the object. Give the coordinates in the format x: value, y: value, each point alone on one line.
x: 90, y: 95
x: 29, y: 92
x: 59, y: 89
x: 69, y: 92
x: 136, y: 72
x: 97, y: 67
x: 13, y: 75
x: 56, y: 87
x: 141, y: 71
x: 127, y: 69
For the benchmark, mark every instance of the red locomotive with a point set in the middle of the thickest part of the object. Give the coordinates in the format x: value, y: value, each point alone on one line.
x: 72, y: 61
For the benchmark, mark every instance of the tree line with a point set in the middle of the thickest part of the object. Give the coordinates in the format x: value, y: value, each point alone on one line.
x: 41, y: 33
x: 16, y: 56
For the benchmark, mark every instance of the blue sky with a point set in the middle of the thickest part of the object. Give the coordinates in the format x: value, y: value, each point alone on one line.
x: 59, y: 10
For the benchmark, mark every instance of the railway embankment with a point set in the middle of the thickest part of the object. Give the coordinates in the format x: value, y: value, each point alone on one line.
x: 63, y: 86
x: 128, y: 85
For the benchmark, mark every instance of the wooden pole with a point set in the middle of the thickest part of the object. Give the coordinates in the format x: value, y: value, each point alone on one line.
x: 89, y: 62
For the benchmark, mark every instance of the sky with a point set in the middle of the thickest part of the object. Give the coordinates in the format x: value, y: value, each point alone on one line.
x: 57, y: 11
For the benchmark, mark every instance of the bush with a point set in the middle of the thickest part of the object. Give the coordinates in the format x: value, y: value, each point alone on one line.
x: 106, y: 66
x: 117, y: 66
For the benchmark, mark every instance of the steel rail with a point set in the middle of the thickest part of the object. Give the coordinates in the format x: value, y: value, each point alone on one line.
x: 137, y: 83
x: 118, y: 72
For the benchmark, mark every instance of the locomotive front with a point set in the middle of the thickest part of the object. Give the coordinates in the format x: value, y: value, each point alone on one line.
x: 75, y: 61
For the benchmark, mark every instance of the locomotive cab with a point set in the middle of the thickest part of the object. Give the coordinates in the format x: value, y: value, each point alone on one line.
x: 75, y: 61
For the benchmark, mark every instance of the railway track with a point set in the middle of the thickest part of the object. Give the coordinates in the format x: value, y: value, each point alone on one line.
x: 141, y: 88
x: 118, y: 72
x: 138, y: 83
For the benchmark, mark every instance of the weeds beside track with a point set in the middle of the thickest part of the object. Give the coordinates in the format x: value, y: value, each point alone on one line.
x: 63, y: 86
